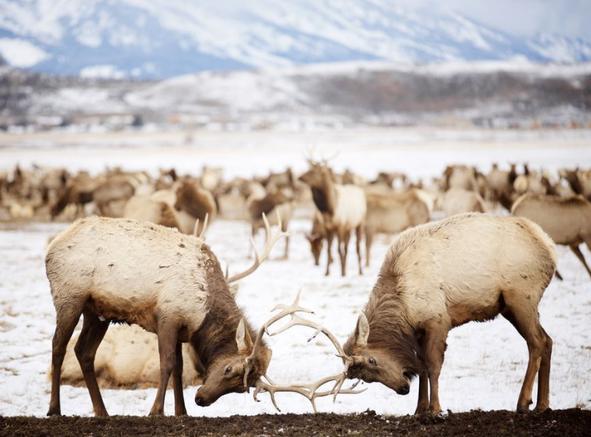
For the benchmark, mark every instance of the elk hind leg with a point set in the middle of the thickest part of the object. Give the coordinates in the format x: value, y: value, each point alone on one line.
x: 67, y: 316
x: 93, y: 332
x: 524, y: 317
x: 329, y: 238
x: 577, y: 251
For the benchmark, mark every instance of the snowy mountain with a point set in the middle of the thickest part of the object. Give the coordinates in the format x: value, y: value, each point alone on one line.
x: 164, y: 38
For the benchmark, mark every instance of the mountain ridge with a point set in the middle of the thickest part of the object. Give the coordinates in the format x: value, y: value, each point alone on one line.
x: 165, y: 38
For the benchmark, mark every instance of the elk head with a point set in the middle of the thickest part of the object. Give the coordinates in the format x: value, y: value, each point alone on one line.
x: 228, y: 373
x: 379, y: 363
x: 316, y: 242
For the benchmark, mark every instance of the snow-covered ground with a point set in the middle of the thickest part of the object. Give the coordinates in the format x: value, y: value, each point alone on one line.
x: 484, y: 367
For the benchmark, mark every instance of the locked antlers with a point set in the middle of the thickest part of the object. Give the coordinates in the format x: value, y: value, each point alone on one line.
x: 309, y: 391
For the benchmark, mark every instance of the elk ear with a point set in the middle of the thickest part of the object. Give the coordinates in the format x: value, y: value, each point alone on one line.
x: 362, y: 330
x: 243, y: 340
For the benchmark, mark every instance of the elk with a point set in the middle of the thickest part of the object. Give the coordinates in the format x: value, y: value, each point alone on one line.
x: 275, y: 204
x: 458, y: 200
x: 123, y: 270
x: 566, y: 220
x: 392, y: 213
x: 316, y: 236
x: 343, y: 208
x: 440, y: 275
x: 192, y: 202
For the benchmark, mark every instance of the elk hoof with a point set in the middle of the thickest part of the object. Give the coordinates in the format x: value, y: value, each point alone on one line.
x: 54, y: 412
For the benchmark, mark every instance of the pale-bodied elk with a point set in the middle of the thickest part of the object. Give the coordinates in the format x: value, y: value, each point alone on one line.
x: 343, y: 208
x: 440, y: 275
x: 566, y: 220
x: 166, y: 282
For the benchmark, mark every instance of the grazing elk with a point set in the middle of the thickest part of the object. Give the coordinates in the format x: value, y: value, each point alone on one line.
x: 440, y: 275
x: 316, y: 236
x: 277, y: 206
x: 343, y: 208
x: 392, y: 213
x: 566, y: 220
x: 167, y: 283
x: 194, y: 201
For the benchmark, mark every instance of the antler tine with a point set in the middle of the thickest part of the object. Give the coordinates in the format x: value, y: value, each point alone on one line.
x: 286, y: 310
x: 271, y: 240
x: 201, y: 234
x: 205, y: 223
x: 299, y: 321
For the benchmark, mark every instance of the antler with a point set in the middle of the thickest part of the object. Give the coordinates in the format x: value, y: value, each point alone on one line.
x: 202, y: 233
x: 309, y: 391
x: 269, y: 243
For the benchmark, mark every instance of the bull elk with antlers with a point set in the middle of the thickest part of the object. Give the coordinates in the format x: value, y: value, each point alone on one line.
x: 166, y: 282
x: 440, y: 275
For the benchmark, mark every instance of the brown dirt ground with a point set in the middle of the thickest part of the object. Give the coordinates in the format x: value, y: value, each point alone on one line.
x: 573, y: 422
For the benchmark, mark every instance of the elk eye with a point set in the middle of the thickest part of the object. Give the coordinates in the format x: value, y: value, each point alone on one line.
x: 372, y: 361
x: 228, y: 370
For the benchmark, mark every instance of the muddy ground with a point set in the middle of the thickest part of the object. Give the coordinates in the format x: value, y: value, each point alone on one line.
x: 572, y: 422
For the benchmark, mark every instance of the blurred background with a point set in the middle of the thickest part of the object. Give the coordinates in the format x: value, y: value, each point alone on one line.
x: 262, y: 65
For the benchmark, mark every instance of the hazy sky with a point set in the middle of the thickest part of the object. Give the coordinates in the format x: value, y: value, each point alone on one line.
x: 525, y: 17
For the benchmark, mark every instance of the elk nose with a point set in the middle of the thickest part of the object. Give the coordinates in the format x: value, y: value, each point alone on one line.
x: 200, y: 401
x: 404, y: 390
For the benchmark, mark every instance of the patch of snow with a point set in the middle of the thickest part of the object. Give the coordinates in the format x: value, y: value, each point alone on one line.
x: 21, y: 53
x: 102, y: 72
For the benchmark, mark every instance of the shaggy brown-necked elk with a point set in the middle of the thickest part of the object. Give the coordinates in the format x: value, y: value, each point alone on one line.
x: 343, y: 208
x: 440, y: 275
x: 579, y: 181
x: 195, y: 201
x: 164, y: 281
x: 392, y: 213
x: 566, y: 220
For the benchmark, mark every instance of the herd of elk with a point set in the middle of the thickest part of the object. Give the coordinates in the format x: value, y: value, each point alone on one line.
x: 145, y: 262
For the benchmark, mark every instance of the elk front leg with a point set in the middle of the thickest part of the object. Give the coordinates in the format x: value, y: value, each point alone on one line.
x: 343, y: 249
x: 329, y: 238
x: 358, y: 238
x: 434, y: 352
x: 167, y: 340
x: 368, y: 242
x: 177, y: 380
x: 93, y: 332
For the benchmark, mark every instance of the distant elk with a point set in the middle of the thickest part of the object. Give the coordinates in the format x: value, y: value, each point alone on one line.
x: 566, y: 220
x: 440, y: 275
x: 343, y: 208
x: 392, y: 213
x: 276, y: 205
